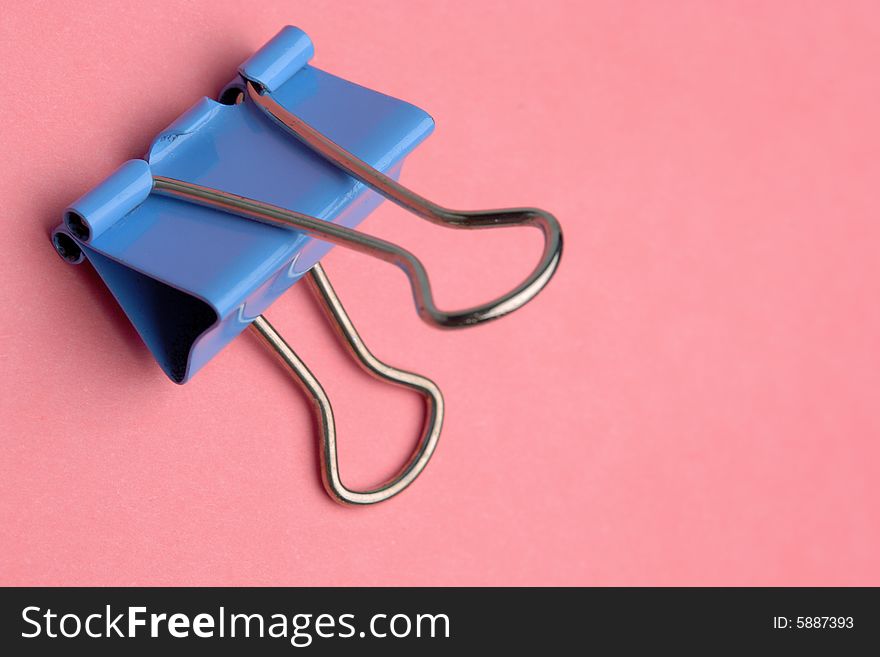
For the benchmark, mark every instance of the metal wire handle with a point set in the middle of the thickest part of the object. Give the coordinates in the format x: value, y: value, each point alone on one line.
x: 422, y: 207
x: 348, y: 335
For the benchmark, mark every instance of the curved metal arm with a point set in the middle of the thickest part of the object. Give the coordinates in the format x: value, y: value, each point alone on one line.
x: 347, y: 333
x: 422, y: 207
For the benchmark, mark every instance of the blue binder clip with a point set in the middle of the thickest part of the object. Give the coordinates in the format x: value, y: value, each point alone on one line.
x: 241, y: 197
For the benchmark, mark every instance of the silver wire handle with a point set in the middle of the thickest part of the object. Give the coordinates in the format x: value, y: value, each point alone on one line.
x: 379, y: 248
x: 348, y: 335
x: 422, y: 207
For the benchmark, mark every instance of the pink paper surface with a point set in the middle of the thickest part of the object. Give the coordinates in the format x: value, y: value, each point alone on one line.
x: 693, y: 399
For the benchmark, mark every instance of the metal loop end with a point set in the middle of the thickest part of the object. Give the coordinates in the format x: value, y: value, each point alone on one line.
x: 427, y: 443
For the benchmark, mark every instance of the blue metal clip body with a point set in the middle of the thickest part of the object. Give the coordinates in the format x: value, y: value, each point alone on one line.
x: 191, y: 278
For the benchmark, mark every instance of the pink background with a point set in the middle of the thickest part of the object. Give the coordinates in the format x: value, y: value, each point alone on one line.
x: 693, y: 400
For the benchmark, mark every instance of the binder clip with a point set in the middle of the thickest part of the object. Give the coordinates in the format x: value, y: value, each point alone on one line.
x: 241, y: 197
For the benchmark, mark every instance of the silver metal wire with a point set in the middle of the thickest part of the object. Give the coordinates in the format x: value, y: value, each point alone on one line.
x: 422, y: 207
x: 348, y: 335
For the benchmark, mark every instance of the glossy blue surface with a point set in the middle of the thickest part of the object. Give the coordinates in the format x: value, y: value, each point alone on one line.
x: 191, y: 278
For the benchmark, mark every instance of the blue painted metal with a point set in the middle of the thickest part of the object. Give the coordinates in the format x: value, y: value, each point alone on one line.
x: 191, y: 278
